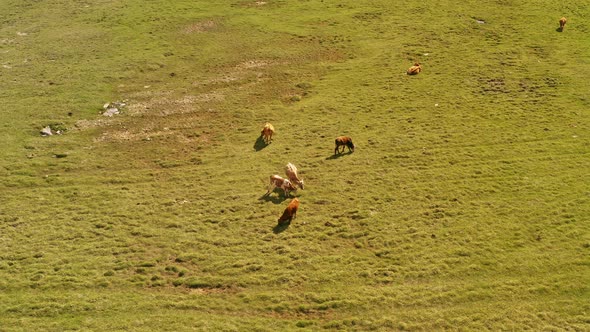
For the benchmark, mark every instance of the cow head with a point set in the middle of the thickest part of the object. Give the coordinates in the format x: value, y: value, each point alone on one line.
x: 300, y: 184
x: 350, y: 145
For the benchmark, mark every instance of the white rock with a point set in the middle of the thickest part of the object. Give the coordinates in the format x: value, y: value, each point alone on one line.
x: 111, y: 111
x: 46, y: 131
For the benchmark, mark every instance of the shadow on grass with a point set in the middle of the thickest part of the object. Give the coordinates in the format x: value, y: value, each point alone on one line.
x: 559, y: 29
x: 338, y: 155
x: 275, y: 199
x: 260, y: 144
x: 281, y: 227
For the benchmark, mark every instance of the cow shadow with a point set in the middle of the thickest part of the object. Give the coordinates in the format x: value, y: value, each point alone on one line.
x: 338, y: 155
x: 281, y: 227
x: 274, y: 199
x: 260, y: 144
x: 559, y: 29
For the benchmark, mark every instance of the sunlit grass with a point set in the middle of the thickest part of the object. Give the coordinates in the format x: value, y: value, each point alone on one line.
x: 464, y: 205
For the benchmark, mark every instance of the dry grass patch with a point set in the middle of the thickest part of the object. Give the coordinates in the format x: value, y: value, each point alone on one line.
x: 253, y: 64
x: 165, y: 104
x: 200, y: 27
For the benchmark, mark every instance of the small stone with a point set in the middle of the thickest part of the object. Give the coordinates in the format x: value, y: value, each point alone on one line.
x: 111, y: 112
x: 46, y: 131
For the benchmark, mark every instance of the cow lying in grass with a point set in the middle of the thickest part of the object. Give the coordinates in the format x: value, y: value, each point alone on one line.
x: 562, y: 22
x: 343, y: 141
x: 291, y: 172
x: 415, y: 69
x: 284, y: 184
x: 267, y: 132
x: 290, y: 212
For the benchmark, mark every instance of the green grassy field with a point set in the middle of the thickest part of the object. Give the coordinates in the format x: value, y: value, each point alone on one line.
x: 465, y: 205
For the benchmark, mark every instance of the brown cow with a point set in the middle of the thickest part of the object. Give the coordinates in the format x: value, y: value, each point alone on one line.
x: 415, y: 69
x: 291, y: 172
x: 562, y: 22
x: 290, y: 212
x: 277, y: 181
x: 267, y: 132
x: 343, y: 141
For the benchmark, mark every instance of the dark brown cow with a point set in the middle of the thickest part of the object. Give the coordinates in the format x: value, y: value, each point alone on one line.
x: 343, y: 141
x: 277, y: 181
x: 562, y: 22
x: 415, y: 69
x: 290, y: 212
x: 267, y: 132
x: 291, y: 172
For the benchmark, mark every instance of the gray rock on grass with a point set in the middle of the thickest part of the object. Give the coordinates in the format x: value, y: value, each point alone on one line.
x: 113, y: 108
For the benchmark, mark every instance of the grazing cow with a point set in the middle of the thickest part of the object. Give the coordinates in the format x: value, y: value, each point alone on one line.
x: 291, y: 172
x: 343, y: 141
x: 415, y: 69
x: 277, y: 181
x: 267, y: 132
x: 562, y: 22
x: 290, y: 212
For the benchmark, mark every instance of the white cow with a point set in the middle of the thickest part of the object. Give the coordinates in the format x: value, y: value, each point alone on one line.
x: 291, y: 172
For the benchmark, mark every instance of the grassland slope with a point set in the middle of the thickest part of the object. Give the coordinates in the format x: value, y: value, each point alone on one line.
x: 463, y: 207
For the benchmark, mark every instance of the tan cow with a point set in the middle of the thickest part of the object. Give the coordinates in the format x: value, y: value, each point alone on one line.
x: 562, y: 22
x: 415, y: 69
x: 291, y: 172
x: 267, y: 132
x: 284, y: 184
x: 290, y: 212
x: 342, y: 141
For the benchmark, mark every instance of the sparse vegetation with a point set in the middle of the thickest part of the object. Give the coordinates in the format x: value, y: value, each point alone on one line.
x: 464, y: 205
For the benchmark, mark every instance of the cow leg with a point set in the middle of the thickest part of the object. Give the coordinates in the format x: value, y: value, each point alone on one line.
x: 271, y: 188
